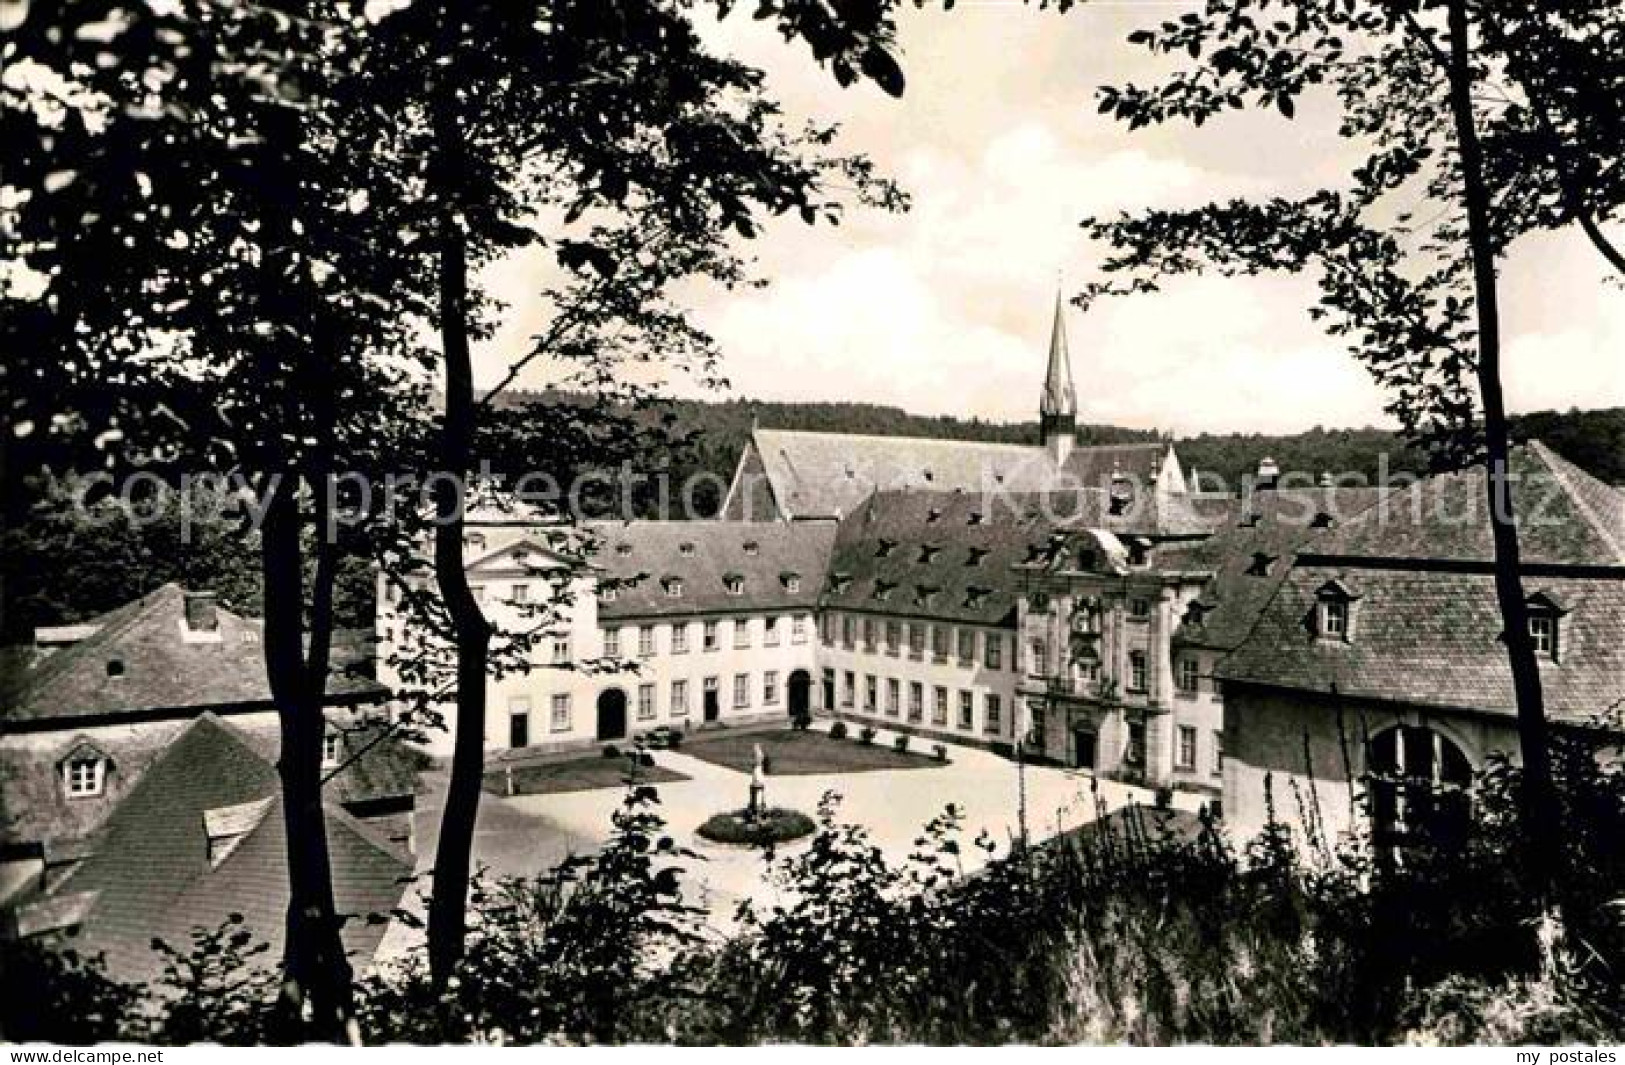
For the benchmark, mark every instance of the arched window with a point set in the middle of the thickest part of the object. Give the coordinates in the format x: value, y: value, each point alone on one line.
x: 1418, y: 782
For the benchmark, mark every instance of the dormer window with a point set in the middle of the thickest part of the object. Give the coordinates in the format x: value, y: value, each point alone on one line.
x: 1249, y: 520
x: 734, y: 584
x: 924, y: 595
x: 839, y: 582
x: 1260, y: 565
x: 928, y: 554
x: 975, y: 518
x: 791, y: 581
x: 975, y: 556
x: 975, y: 597
x: 1087, y: 560
x: 84, y: 775
x: 885, y: 548
x: 474, y: 542
x: 933, y: 515
x: 1334, y: 612
x: 673, y: 587
x: 1545, y: 624
x: 752, y: 547
x: 607, y: 593
x: 115, y: 667
x: 883, y: 590
x: 686, y: 549
x: 623, y: 550
x: 1139, y: 549
x: 332, y: 750
x: 1196, y: 614
x: 521, y: 556
x: 1321, y: 520
x: 928, y: 475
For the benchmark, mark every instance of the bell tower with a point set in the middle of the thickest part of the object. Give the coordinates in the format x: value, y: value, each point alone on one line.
x: 1058, y: 404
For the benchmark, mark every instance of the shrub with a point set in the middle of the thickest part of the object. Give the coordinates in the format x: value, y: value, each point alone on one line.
x: 611, y: 751
x: 642, y: 758
x: 940, y: 752
x: 837, y: 731
x: 866, y: 734
x: 901, y: 743
x: 776, y: 825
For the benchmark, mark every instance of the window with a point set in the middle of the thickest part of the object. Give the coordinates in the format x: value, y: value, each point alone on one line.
x: 869, y: 635
x: 673, y: 587
x: 332, y: 749
x: 939, y: 643
x: 967, y: 647
x: 518, y: 721
x: 1135, y: 754
x: 1035, y: 725
x: 1187, y: 747
x: 849, y: 684
x: 1418, y: 785
x: 916, y: 640
x: 884, y: 548
x: 894, y: 636
x: 1334, y: 619
x: 84, y: 776
x: 792, y: 582
x: 990, y: 713
x: 849, y: 628
x: 916, y: 701
x: 1136, y: 671
x: 798, y: 629
x: 519, y: 593
x: 894, y: 696
x: 686, y: 549
x: 1188, y: 676
x: 679, y: 638
x: 967, y: 710
x: 477, y: 589
x: 826, y: 628
x: 975, y: 556
x: 607, y: 594
x: 770, y: 688
x: 115, y: 667
x: 742, y: 632
x: 679, y: 698
x: 928, y: 554
x: 734, y: 585
x: 1139, y: 608
x: 1260, y: 565
x: 612, y: 643
x: 770, y: 632
x: 710, y: 636
x: 1543, y: 634
x: 1218, y: 751
x: 474, y: 542
x: 1039, y: 665
x: 752, y: 548
x: 646, y: 702
x: 939, y: 707
x: 994, y: 650
x: 871, y: 693
x: 560, y: 719
x: 646, y: 641
x: 561, y: 650
x: 741, y: 690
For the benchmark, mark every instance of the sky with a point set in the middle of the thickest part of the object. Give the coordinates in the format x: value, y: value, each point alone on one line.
x: 946, y: 309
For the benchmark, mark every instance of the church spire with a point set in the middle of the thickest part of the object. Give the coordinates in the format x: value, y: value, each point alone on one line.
x: 1058, y: 397
x: 1058, y: 404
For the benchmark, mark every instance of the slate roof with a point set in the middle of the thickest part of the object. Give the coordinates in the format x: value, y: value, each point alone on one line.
x: 826, y: 475
x: 152, y: 874
x: 160, y: 671
x: 765, y: 555
x: 1426, y: 626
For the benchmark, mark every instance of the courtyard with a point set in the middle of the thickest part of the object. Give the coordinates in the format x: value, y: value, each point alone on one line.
x: 892, y: 800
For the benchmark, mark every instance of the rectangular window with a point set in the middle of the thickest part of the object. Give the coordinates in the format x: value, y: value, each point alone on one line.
x: 849, y: 684
x: 742, y: 632
x: 612, y: 643
x: 967, y: 647
x: 991, y: 712
x: 560, y: 721
x: 519, y: 593
x: 741, y: 690
x: 894, y: 635
x: 770, y: 632
x: 679, y: 638
x: 995, y: 650
x: 894, y: 695
x: 561, y: 650
x: 646, y: 702
x: 770, y: 688
x: 518, y: 721
x: 798, y: 629
x: 1218, y: 751
x: 478, y: 591
x: 333, y: 743
x: 646, y: 641
x: 871, y: 693
x: 85, y: 777
x: 1136, y: 671
x: 916, y: 701
x: 916, y: 640
x: 1189, y: 680
x: 1035, y: 725
x: 679, y: 698
x: 1039, y: 666
x: 939, y: 707
x: 1334, y: 619
x: 1135, y: 755
x: 869, y: 635
x: 848, y: 630
x: 710, y: 636
x: 826, y: 628
x: 1543, y: 633
x: 967, y: 710
x: 1139, y: 608
x: 1187, y: 747
x: 939, y: 643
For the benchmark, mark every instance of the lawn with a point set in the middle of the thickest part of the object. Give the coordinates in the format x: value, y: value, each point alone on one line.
x: 578, y: 774
x: 794, y: 754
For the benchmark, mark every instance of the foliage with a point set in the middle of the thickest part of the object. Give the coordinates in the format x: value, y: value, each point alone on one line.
x: 837, y: 730
x: 774, y: 825
x: 220, y: 990
x: 54, y: 994
x: 866, y: 734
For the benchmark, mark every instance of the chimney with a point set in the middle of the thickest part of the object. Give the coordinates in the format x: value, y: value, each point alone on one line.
x: 201, y: 615
x: 1268, y: 473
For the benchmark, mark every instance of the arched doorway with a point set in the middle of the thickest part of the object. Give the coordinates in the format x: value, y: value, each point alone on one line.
x: 1418, y: 781
x: 611, y: 714
x: 800, y: 694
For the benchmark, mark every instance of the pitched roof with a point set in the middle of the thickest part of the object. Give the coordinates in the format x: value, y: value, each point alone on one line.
x: 153, y: 876
x: 826, y: 475
x: 137, y: 659
x: 1058, y: 396
x: 702, y: 555
x: 1565, y: 517
x: 1432, y: 638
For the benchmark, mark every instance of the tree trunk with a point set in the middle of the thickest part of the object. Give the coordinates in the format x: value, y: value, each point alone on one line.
x: 316, y: 991
x: 448, y: 919
x: 1541, y: 820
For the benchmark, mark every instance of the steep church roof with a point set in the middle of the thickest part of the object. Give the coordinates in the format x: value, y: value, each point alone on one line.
x: 1058, y: 396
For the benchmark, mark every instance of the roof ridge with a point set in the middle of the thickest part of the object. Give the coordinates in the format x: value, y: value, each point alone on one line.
x: 1575, y: 483
x: 892, y: 438
x: 54, y: 666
